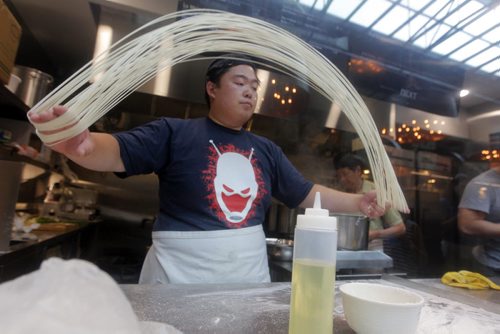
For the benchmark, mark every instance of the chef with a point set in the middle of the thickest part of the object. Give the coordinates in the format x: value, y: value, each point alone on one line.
x: 216, y: 181
x: 349, y: 170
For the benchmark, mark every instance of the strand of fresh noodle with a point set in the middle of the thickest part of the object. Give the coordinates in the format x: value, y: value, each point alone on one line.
x: 136, y: 58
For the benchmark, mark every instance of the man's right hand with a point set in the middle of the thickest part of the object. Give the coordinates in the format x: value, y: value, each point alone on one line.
x: 95, y: 151
x: 77, y: 146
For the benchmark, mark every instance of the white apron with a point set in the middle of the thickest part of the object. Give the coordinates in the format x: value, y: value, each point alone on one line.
x: 223, y: 256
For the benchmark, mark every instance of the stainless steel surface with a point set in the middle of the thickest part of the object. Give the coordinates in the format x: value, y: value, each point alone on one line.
x: 264, y: 308
x: 363, y: 260
x: 10, y: 176
x: 34, y: 86
x: 353, y: 260
x: 280, y: 249
x: 352, y: 231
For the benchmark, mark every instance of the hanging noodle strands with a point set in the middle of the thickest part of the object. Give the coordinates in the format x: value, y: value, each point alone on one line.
x: 186, y: 36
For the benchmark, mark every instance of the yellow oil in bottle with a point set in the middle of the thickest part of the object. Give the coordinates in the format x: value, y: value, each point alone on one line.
x: 313, y: 288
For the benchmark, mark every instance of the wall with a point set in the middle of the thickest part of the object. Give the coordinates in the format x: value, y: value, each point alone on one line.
x: 481, y: 126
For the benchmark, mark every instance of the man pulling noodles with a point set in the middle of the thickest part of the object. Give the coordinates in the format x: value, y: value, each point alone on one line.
x: 216, y: 181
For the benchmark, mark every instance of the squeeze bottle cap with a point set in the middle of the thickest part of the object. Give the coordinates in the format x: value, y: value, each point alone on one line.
x: 316, y: 217
x: 316, y: 209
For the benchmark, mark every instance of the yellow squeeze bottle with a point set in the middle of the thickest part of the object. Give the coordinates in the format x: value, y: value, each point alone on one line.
x: 313, y: 273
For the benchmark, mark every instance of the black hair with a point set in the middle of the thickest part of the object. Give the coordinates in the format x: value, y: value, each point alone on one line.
x: 221, y: 65
x: 350, y: 161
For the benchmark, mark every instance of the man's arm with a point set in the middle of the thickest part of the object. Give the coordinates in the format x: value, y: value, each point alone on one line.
x: 472, y: 222
x: 339, y: 201
x: 390, y: 232
x: 96, y: 151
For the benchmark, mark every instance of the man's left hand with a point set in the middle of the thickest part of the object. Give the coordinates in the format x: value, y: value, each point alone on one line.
x: 369, y: 206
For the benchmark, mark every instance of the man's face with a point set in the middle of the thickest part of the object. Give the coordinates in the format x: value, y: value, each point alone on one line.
x: 350, y: 180
x: 233, y: 100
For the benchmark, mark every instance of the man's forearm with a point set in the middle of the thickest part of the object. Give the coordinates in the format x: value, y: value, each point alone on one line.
x: 104, y: 155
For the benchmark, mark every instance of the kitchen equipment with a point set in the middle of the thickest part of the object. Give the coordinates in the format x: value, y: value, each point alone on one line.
x: 14, y: 82
x: 313, y: 273
x: 34, y: 85
x: 372, y: 308
x: 280, y: 249
x: 353, y: 231
x: 280, y: 220
x: 10, y: 177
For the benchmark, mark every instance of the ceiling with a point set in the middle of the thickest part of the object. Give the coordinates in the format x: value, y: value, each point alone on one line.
x: 65, y: 32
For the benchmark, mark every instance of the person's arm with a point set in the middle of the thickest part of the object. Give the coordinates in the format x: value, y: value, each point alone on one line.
x: 96, y: 151
x: 339, y: 201
x: 390, y: 232
x: 472, y: 222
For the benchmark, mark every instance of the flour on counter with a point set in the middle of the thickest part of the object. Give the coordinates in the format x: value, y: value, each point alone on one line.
x: 443, y: 316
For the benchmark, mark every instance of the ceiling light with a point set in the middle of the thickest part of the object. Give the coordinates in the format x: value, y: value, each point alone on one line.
x: 464, y: 92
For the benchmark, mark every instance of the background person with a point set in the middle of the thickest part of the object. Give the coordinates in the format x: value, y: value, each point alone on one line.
x: 216, y: 181
x: 349, y: 171
x: 479, y: 215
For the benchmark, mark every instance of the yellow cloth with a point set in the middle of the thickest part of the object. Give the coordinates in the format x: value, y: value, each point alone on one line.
x: 469, y: 280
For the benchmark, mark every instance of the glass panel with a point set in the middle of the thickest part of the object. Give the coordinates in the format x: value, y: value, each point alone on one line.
x: 415, y: 4
x: 484, y: 57
x: 463, y: 13
x: 436, y: 8
x: 370, y: 12
x: 493, y: 36
x: 392, y: 20
x: 411, y: 28
x: 492, y: 67
x: 432, y: 35
x: 452, y: 43
x: 469, y: 50
x: 343, y: 8
x: 319, y: 3
x: 484, y: 23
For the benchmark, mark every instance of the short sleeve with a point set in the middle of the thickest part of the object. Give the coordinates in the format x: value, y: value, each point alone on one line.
x: 144, y: 149
x: 476, y: 196
x: 289, y: 186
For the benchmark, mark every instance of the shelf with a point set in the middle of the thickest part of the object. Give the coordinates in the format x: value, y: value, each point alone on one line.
x: 11, y: 106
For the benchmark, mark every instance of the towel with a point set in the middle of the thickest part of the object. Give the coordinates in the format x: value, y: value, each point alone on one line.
x: 469, y: 280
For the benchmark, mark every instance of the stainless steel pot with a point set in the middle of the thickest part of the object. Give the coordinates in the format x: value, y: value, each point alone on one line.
x: 352, y: 231
x: 34, y: 84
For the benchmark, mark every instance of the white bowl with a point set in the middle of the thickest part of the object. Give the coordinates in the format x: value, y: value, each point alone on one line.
x: 375, y: 308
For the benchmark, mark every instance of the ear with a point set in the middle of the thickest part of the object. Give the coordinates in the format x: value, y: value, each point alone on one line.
x: 210, y: 88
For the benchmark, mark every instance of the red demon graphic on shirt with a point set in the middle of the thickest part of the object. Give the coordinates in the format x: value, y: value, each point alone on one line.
x: 234, y: 183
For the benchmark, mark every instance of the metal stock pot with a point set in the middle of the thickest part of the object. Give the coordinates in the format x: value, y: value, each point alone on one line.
x: 352, y: 231
x: 34, y: 85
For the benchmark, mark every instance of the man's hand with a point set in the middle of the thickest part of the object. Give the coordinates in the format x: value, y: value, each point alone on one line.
x: 369, y: 206
x: 77, y: 146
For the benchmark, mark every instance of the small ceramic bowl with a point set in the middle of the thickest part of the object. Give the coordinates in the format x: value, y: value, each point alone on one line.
x: 372, y: 308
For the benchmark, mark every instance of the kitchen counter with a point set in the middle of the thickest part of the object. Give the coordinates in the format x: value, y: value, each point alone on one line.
x: 264, y: 308
x: 349, y: 264
x: 25, y: 256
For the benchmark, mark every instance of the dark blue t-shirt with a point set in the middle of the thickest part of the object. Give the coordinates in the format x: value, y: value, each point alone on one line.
x: 211, y: 177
